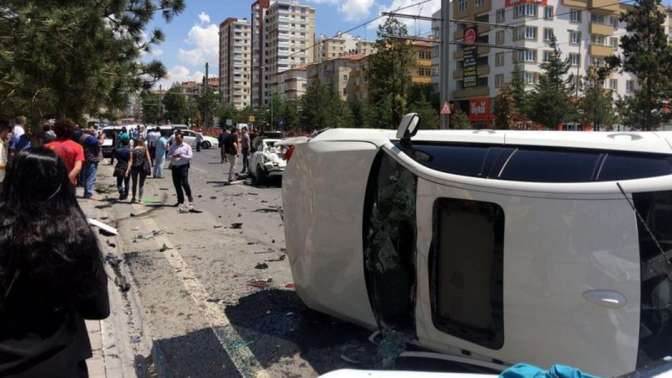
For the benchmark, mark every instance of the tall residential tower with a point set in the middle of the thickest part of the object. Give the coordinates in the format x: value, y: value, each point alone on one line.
x: 235, y: 62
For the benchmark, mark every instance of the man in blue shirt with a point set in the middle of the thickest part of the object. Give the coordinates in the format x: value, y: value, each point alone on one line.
x: 161, y: 146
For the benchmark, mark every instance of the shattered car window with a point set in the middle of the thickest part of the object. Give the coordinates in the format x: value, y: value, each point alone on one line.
x: 390, y: 243
x: 656, y: 275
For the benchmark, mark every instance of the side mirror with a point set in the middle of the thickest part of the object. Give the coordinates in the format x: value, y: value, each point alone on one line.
x: 408, y: 127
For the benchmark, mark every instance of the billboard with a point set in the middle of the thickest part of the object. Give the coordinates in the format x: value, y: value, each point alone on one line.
x: 469, y: 64
x: 480, y: 109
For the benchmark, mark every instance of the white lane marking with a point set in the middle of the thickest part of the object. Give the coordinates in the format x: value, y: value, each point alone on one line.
x: 235, y: 346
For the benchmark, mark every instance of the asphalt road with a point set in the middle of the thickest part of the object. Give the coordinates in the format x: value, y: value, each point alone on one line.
x: 210, y: 293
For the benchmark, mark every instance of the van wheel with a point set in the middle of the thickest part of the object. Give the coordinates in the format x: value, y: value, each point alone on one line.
x: 206, y: 145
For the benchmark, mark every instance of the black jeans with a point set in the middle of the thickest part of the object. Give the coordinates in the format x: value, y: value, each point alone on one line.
x: 122, y: 186
x: 181, y: 181
x: 138, y: 174
x: 246, y: 161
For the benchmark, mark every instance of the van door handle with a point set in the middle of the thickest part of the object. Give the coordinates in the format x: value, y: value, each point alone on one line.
x: 605, y: 298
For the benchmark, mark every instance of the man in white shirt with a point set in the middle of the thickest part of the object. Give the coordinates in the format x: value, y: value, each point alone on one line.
x: 180, y: 157
x: 17, y: 132
x: 4, y: 149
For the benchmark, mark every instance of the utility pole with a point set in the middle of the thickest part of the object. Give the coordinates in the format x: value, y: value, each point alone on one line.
x: 444, y: 65
x: 204, y: 95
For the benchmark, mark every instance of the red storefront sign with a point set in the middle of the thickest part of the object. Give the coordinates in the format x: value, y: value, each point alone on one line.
x: 480, y: 109
x: 513, y: 3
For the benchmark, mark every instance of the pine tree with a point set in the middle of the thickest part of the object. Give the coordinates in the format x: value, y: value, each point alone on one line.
x: 648, y: 55
x: 505, y: 109
x: 518, y: 92
x: 596, y: 105
x: 550, y: 103
x: 176, y: 106
x: 459, y: 120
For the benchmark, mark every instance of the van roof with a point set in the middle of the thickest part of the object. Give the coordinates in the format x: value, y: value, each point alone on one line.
x: 657, y: 142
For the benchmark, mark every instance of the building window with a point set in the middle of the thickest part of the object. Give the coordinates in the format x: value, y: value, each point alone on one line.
x: 530, y: 77
x: 462, y: 5
x: 548, y: 34
x: 630, y: 86
x: 499, y: 59
x: 614, y: 22
x: 499, y: 81
x: 548, y: 12
x: 527, y: 56
x: 574, y: 37
x: 547, y: 55
x: 499, y: 37
x: 575, y: 16
x: 468, y: 261
x: 597, y: 39
x: 479, y: 3
x: 500, y: 16
x: 613, y: 42
x: 574, y: 59
x: 525, y: 10
x: 613, y: 84
x: 528, y: 33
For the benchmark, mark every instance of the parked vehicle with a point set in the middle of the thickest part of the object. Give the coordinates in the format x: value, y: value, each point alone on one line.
x: 267, y: 160
x: 108, y: 142
x: 191, y: 136
x: 498, y: 246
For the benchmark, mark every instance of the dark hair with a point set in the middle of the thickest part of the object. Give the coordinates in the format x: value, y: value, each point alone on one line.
x: 157, y: 129
x: 45, y: 241
x: 178, y: 132
x: 64, y: 129
x: 138, y: 142
x: 4, y: 125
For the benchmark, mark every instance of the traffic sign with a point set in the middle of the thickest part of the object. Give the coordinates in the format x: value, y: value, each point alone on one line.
x: 445, y: 110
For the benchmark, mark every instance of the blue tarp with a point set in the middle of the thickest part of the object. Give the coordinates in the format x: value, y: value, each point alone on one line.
x: 556, y: 371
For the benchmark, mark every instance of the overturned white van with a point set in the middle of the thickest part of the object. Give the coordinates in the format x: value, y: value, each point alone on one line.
x: 502, y: 246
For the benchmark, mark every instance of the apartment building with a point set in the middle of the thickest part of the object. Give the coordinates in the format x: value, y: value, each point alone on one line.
x: 288, y: 41
x: 258, y: 9
x: 587, y: 32
x: 342, y: 45
x: 421, y: 70
x: 194, y: 88
x: 335, y: 73
x: 235, y: 62
x: 291, y: 84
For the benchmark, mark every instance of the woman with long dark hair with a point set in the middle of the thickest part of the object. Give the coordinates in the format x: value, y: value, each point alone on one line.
x: 139, y: 167
x: 51, y: 271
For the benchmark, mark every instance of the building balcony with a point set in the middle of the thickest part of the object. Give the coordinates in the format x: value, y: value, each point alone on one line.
x: 601, y: 29
x: 471, y: 92
x: 598, y: 50
x: 604, y: 6
x: 576, y: 3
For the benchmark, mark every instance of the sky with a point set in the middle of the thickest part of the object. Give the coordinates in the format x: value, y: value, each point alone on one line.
x: 192, y: 37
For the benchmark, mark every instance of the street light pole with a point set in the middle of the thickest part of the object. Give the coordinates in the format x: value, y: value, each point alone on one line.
x: 444, y: 65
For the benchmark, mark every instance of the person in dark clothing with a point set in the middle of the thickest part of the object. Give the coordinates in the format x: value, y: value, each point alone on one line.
x: 123, y: 155
x: 139, y: 167
x: 51, y: 271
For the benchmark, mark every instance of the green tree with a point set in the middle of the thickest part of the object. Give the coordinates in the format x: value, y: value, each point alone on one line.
x: 208, y: 102
x: 421, y: 104
x: 290, y: 114
x: 647, y: 54
x: 550, y: 103
x: 71, y: 58
x: 388, y: 73
x: 518, y: 92
x: 597, y: 105
x: 227, y: 112
x: 359, y: 112
x: 151, y: 107
x: 459, y: 120
x: 323, y: 108
x: 177, y: 108
x: 506, y: 112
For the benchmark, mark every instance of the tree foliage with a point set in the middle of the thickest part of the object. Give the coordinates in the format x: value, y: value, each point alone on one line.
x: 388, y: 74
x: 321, y: 108
x: 647, y: 54
x: 550, y: 103
x: 177, y: 108
x: 459, y: 120
x: 71, y: 58
x: 597, y: 105
x: 506, y: 112
x: 151, y: 107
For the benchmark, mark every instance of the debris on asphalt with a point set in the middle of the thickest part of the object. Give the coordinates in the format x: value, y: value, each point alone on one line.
x: 290, y: 286
x: 122, y: 283
x: 213, y: 197
x: 164, y: 248
x: 264, y: 252
x: 104, y: 229
x: 110, y: 244
x: 252, y: 243
x: 279, y: 258
x: 273, y: 241
x: 260, y: 284
x: 261, y: 266
x: 236, y: 226
x: 268, y: 210
x: 252, y: 194
x: 264, y: 201
x: 163, y: 188
x: 195, y: 211
x: 217, y: 226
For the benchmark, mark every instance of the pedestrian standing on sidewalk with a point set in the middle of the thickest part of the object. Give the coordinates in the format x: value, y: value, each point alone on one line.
x: 160, y: 158
x: 139, y: 167
x: 152, y: 137
x: 51, y: 271
x: 231, y: 148
x: 123, y: 154
x: 69, y: 151
x: 222, y: 150
x: 245, y: 150
x: 17, y: 134
x: 180, y: 155
x: 4, y: 149
x: 92, y: 155
x: 199, y: 141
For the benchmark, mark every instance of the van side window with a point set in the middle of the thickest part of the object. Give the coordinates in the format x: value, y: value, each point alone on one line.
x: 467, y: 270
x: 462, y: 160
x: 624, y: 166
x: 390, y: 243
x: 551, y: 165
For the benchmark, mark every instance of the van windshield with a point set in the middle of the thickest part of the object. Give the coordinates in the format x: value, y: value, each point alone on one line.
x: 656, y: 276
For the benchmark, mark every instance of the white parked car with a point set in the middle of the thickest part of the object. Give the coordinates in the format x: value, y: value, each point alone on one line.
x: 191, y: 136
x: 498, y: 246
x: 267, y: 160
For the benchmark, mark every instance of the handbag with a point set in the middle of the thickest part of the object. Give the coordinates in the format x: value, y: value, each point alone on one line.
x: 147, y: 168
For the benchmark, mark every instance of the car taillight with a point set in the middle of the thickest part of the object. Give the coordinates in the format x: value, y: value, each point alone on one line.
x: 289, y: 152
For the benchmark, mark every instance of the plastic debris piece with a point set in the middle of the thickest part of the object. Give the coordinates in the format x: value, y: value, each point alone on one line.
x: 261, y: 266
x: 236, y: 226
x: 260, y: 284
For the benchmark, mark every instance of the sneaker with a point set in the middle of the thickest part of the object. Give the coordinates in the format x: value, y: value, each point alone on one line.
x: 190, y: 206
x: 182, y: 209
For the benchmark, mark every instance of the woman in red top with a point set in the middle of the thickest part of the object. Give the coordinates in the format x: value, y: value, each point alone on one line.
x: 69, y: 151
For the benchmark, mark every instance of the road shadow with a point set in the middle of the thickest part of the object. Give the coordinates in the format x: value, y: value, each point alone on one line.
x: 278, y: 325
